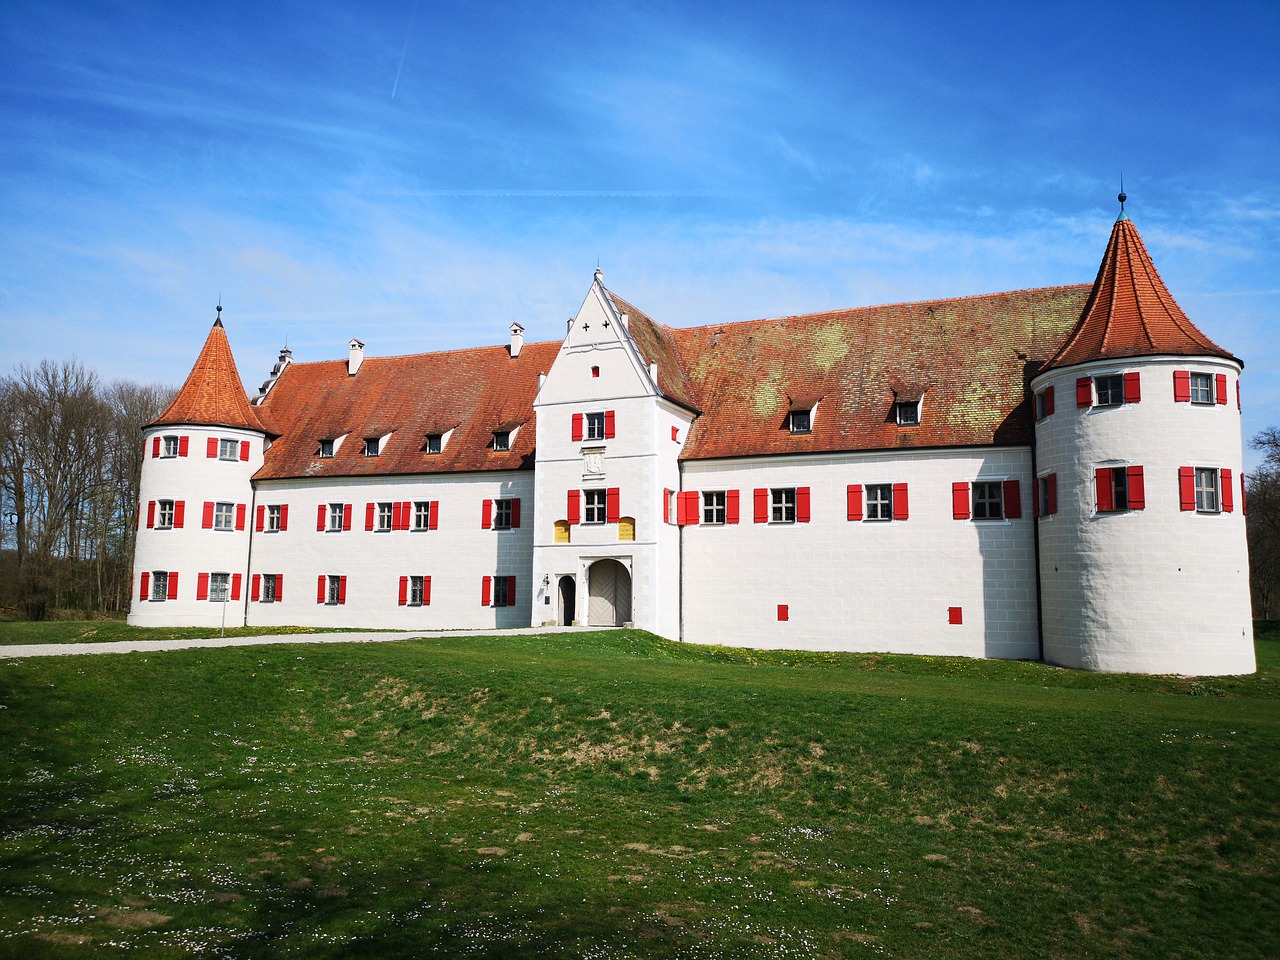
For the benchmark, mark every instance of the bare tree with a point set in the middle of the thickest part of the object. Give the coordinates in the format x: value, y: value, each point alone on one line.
x: 1263, y: 520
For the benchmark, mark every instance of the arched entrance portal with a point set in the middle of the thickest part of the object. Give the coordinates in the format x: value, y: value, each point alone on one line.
x: 609, y: 588
x: 568, y: 601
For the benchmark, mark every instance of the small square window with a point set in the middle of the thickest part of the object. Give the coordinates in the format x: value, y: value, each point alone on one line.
x: 1110, y: 390
x: 164, y: 515
x: 228, y: 450
x: 799, y: 421
x: 502, y: 514
x: 170, y: 447
x: 988, y: 500
x: 713, y: 507
x: 422, y: 515
x: 372, y: 446
x: 783, y: 505
x: 273, y: 518
x: 434, y: 444
x: 906, y: 413
x: 502, y: 440
x: 326, y: 449
x: 224, y: 516
x: 218, y: 583
x: 594, y: 507
x: 1207, y: 500
x: 880, y: 501
x: 1202, y: 388
x: 160, y: 585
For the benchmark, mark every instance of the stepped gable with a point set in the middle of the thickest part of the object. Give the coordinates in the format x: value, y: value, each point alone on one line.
x: 213, y: 394
x: 1130, y: 312
x: 657, y: 344
x: 968, y: 360
x: 471, y: 392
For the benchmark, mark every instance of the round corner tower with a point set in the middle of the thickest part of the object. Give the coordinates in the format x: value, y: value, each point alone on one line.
x: 1143, y: 559
x: 195, y: 498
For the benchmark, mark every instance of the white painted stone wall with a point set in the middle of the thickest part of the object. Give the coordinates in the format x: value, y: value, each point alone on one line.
x: 865, y: 586
x: 192, y: 550
x: 1157, y: 590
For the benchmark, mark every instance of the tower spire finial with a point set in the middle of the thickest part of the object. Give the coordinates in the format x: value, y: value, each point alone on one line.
x: 1122, y: 198
x: 218, y: 320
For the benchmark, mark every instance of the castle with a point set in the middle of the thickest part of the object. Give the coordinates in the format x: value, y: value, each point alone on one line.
x: 1043, y: 474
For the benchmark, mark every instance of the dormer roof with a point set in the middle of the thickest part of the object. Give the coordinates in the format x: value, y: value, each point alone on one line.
x: 213, y: 394
x: 1130, y: 312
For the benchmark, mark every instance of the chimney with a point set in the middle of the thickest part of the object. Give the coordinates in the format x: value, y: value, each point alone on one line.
x: 356, y: 358
x: 517, y: 339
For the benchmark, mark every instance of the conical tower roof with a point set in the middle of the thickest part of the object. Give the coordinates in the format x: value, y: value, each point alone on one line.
x: 213, y: 394
x: 1130, y: 312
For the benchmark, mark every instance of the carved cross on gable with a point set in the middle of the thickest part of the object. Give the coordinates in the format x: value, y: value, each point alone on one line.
x: 606, y: 324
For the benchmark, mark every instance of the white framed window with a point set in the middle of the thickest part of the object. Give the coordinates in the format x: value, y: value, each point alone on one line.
x: 879, y: 501
x: 1207, y: 498
x: 502, y: 514
x: 594, y: 426
x: 224, y: 516
x: 268, y: 588
x: 1109, y: 390
x: 434, y: 444
x: 326, y: 449
x: 219, y: 584
x: 906, y: 413
x: 170, y: 447
x: 385, y: 513
x: 164, y: 514
x: 782, y: 503
x: 501, y: 440
x: 335, y: 516
x: 415, y: 591
x: 595, y: 506
x: 800, y: 421
x: 422, y: 515
x: 159, y: 584
x: 988, y: 500
x: 713, y: 506
x: 272, y: 518
x: 228, y: 450
x: 372, y: 447
x: 1202, y: 388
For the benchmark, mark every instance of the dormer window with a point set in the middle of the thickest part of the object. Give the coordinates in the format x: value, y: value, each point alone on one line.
x: 800, y: 421
x: 372, y: 445
x: 906, y: 413
x: 501, y: 440
x: 434, y: 444
x: 326, y: 449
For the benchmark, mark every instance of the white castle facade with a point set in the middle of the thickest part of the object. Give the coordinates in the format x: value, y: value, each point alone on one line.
x: 1045, y: 474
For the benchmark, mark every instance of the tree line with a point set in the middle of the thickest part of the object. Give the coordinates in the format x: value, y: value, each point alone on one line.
x: 70, y: 460
x: 1263, y: 520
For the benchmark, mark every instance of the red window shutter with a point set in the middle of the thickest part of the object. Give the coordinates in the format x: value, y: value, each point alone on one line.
x: 960, y: 500
x: 255, y: 587
x: 486, y: 591
x: 1187, y: 488
x: 320, y: 516
x: 260, y: 518
x: 202, y: 586
x: 1084, y: 392
x: 574, y: 509
x: 731, y: 506
x: 854, y: 497
x: 1012, y: 500
x: 692, y: 507
x: 608, y: 425
x: 1244, y: 498
x: 244, y: 449
x: 406, y: 514
x: 173, y: 584
x: 236, y: 581
x: 426, y: 591
x: 802, y: 504
x: 183, y: 446
x: 404, y: 590
x: 211, y: 448
x: 1220, y: 380
x: 279, y: 587
x: 1182, y: 386
x: 1228, y: 501
x: 342, y: 589
x: 1051, y: 494
x: 395, y: 515
x: 1048, y: 401
x: 284, y: 516
x: 206, y: 519
x: 955, y: 615
x: 1132, y: 387
x: 151, y: 514
x: 346, y: 516
x: 486, y: 515
x: 511, y: 591
x: 144, y: 588
x: 515, y: 513
x: 155, y: 447
x: 900, y: 503
x: 613, y: 505
x: 1102, y: 488
x: 666, y: 505
x: 675, y: 434
x: 1137, y: 488
x: 784, y: 612
x: 179, y: 513
x: 433, y: 515
x: 369, y: 509
x: 682, y: 509
x: 240, y: 512
x: 1238, y: 407
x: 577, y: 427
x: 320, y: 591
x: 762, y: 505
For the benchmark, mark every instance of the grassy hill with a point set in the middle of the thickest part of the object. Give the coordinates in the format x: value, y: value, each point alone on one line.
x: 616, y: 795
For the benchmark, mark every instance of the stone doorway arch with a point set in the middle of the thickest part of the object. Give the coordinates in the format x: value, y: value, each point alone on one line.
x: 567, y: 612
x: 609, y: 594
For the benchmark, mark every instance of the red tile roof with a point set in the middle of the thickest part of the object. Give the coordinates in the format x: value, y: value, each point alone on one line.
x: 1130, y: 311
x: 968, y: 359
x: 476, y: 391
x: 213, y: 394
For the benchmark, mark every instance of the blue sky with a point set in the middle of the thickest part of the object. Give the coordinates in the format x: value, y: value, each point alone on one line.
x: 420, y: 174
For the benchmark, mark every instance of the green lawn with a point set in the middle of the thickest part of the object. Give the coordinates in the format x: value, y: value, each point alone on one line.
x: 614, y: 795
x: 15, y: 632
